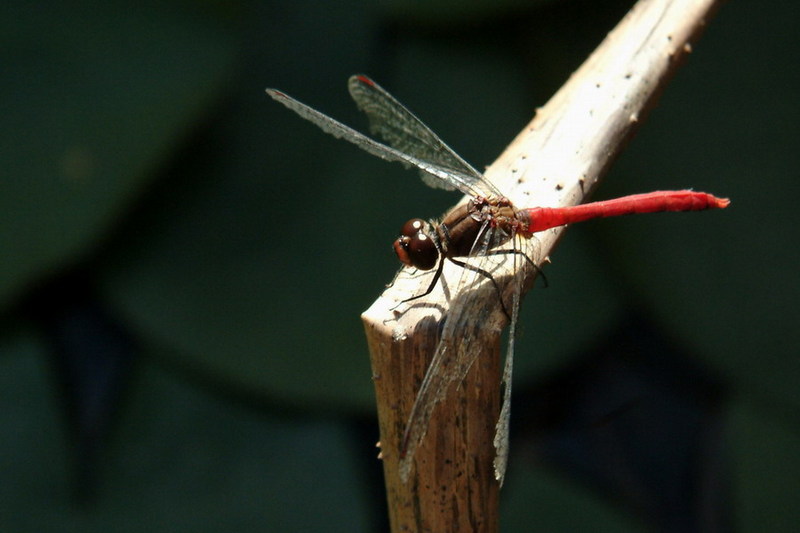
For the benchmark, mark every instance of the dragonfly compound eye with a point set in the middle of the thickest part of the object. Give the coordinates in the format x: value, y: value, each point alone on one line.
x: 412, y: 227
x: 414, y: 247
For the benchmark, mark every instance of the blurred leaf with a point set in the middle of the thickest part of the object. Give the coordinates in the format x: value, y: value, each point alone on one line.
x: 34, y: 455
x: 95, y: 95
x: 580, y: 292
x: 454, y: 11
x: 183, y: 460
x: 537, y: 500
x: 766, y: 474
x: 252, y: 263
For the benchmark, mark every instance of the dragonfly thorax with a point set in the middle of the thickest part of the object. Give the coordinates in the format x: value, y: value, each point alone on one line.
x: 478, y: 225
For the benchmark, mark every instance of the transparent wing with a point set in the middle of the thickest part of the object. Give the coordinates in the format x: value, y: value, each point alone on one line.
x: 502, y: 428
x: 456, y: 352
x: 462, y: 341
x: 398, y: 126
x: 340, y: 131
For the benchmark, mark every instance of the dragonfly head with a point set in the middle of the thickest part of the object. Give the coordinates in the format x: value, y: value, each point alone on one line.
x: 415, y: 246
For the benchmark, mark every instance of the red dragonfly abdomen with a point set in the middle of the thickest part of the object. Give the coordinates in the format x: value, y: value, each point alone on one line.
x: 542, y: 218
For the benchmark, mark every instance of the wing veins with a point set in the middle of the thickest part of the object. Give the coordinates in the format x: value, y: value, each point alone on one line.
x: 466, y: 183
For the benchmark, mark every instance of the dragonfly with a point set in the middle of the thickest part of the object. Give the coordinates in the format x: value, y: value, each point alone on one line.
x: 487, y: 225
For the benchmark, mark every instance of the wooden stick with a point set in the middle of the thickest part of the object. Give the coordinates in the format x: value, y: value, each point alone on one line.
x: 556, y: 160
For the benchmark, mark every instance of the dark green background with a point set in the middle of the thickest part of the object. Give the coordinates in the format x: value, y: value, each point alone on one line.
x: 184, y: 263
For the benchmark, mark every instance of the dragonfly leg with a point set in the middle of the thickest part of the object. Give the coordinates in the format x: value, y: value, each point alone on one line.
x: 436, y: 277
x: 535, y: 267
x: 487, y: 275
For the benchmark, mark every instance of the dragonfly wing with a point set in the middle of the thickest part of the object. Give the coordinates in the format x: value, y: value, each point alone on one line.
x: 501, y: 433
x: 524, y: 250
x: 399, y: 127
x: 461, y: 343
x: 442, y: 372
x: 341, y: 131
x: 462, y: 340
x: 502, y: 429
